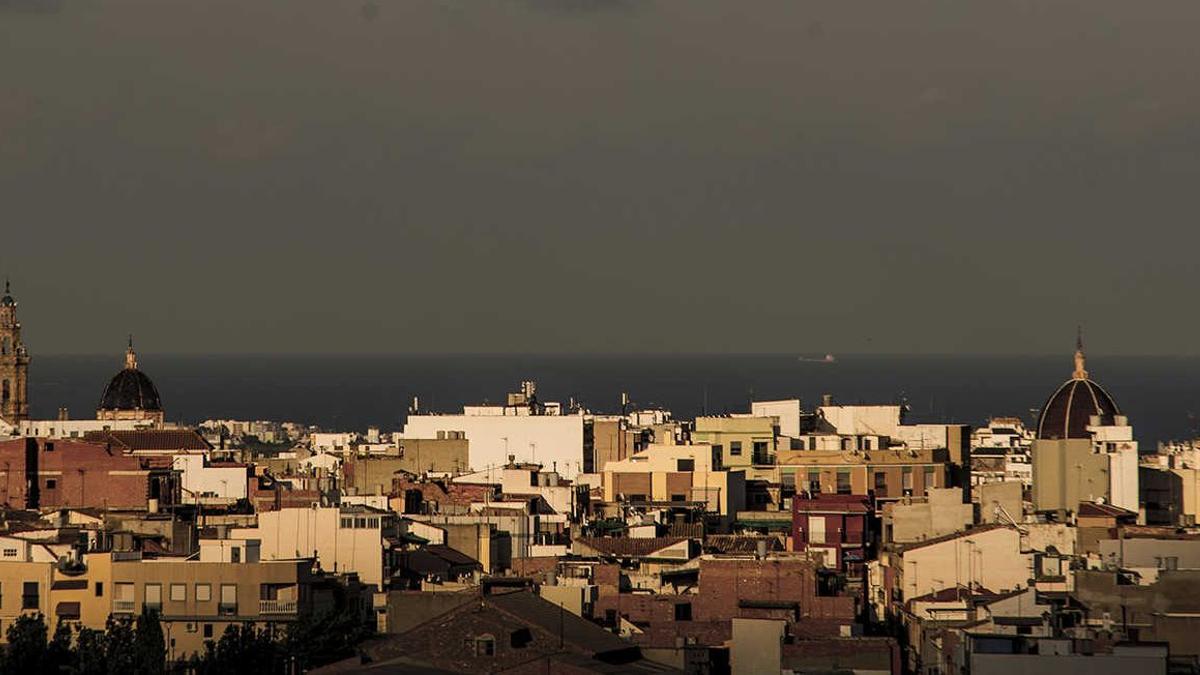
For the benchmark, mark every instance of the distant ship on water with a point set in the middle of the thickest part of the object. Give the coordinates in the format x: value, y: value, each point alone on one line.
x: 828, y: 358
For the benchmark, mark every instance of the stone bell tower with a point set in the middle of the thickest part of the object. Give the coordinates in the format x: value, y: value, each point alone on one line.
x: 14, y: 363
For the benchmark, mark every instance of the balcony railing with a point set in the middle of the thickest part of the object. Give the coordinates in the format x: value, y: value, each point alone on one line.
x: 124, y: 606
x: 276, y: 606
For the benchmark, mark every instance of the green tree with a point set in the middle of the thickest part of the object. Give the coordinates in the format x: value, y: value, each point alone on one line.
x: 59, y: 652
x: 26, y: 651
x: 91, y: 653
x: 119, y: 651
x: 149, y: 649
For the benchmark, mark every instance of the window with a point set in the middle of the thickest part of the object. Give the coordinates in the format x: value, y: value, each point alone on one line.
x: 235, y: 554
x: 907, y: 479
x: 123, y: 594
x: 929, y: 479
x: 843, y: 482
x: 610, y: 617
x: 787, y: 483
x: 178, y: 592
x: 679, y: 498
x: 816, y: 530
x: 485, y: 645
x: 228, y: 599
x: 99, y: 589
x: 50, y: 446
x: 208, y: 630
x: 203, y: 592
x: 881, y: 484
x: 814, y: 482
x: 347, y: 523
x: 51, y: 483
x: 153, y: 597
x: 735, y: 448
x: 520, y: 638
x: 10, y: 553
x: 29, y: 595
x: 685, y: 465
x: 760, y: 452
x: 191, y: 626
x: 683, y: 611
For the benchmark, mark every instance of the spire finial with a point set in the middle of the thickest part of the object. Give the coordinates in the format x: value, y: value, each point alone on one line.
x: 130, y: 356
x: 1080, y: 360
x: 7, y: 299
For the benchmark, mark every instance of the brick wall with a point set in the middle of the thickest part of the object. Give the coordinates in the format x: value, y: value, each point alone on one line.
x: 72, y: 473
x: 438, y: 493
x: 540, y: 567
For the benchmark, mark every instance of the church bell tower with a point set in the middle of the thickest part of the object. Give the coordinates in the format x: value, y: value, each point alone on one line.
x: 14, y: 363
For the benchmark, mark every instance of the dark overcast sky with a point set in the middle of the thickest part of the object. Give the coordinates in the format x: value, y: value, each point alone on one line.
x: 590, y: 175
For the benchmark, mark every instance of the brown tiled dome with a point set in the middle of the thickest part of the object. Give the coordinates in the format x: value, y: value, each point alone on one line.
x: 1071, y: 407
x: 130, y: 389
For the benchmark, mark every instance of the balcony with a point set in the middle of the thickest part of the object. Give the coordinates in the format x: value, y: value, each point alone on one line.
x: 124, y: 606
x: 276, y: 606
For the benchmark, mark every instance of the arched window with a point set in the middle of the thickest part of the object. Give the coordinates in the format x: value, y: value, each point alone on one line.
x: 5, y: 345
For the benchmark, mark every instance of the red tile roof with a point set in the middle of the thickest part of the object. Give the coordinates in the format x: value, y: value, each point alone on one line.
x: 151, y: 439
x: 633, y: 547
x: 732, y: 543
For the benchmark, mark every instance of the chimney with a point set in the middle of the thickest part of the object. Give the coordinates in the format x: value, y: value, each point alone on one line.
x: 63, y: 415
x: 826, y: 400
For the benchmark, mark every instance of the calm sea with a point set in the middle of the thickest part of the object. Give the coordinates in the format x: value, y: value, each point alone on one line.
x: 1159, y: 394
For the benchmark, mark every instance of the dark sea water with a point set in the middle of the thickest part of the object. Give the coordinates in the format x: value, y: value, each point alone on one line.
x: 1157, y: 393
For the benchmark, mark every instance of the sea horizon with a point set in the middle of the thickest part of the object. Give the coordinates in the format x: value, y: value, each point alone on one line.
x: 352, y: 391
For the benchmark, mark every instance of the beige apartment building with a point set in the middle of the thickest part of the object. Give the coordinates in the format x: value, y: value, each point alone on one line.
x: 341, y: 539
x: 675, y: 474
x: 744, y: 440
x: 373, y: 475
x: 73, y: 593
x: 889, y: 474
x: 196, y: 600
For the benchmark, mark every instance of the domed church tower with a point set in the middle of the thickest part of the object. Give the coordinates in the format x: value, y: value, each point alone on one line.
x: 1084, y: 450
x: 1076, y: 405
x: 14, y: 362
x: 130, y: 395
